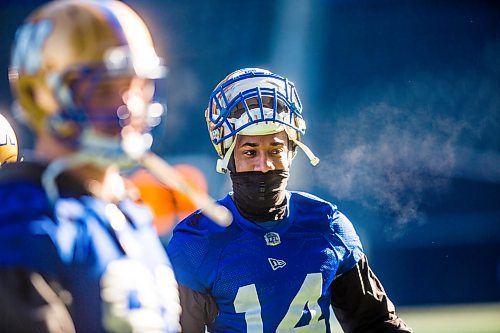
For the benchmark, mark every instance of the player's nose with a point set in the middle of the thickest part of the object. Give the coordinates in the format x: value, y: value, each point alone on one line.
x: 264, y: 163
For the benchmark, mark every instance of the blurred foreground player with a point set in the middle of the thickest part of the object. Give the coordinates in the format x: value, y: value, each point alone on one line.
x: 288, y: 256
x: 76, y: 255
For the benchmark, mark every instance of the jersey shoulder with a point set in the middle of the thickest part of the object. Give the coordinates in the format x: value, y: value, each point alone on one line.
x: 28, y: 230
x: 195, y: 247
x: 321, y: 212
x: 319, y: 215
x: 310, y: 211
x: 22, y: 198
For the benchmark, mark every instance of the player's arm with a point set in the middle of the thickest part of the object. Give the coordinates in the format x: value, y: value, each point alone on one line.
x: 361, y: 304
x: 198, y: 309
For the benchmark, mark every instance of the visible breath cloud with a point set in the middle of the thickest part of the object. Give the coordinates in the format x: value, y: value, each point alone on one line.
x: 389, y: 154
x: 387, y: 158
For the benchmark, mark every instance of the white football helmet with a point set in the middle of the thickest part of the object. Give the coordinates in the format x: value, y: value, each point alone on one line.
x: 253, y: 101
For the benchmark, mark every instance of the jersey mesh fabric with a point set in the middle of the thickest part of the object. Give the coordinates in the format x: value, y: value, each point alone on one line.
x: 314, y: 238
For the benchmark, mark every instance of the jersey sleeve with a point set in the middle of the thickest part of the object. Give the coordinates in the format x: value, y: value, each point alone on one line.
x: 198, y: 309
x: 350, y: 250
x: 361, y: 304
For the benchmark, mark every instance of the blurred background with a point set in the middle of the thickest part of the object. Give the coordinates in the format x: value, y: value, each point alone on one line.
x: 402, y: 103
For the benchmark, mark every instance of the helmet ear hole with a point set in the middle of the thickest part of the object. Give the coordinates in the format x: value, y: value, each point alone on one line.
x: 27, y: 90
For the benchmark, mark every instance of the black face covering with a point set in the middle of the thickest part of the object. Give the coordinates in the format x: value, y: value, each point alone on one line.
x: 259, y: 196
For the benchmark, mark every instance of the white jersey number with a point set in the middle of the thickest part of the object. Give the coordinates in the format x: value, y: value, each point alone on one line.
x: 247, y: 301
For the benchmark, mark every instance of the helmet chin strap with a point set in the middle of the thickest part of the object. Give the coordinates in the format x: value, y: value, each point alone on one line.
x: 313, y: 159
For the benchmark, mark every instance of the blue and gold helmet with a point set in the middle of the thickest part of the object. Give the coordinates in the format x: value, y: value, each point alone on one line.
x: 85, y: 69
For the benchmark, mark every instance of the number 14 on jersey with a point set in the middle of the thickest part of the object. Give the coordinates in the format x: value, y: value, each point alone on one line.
x: 247, y: 301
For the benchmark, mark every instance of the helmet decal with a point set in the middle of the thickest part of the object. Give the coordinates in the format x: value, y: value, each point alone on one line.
x: 27, y: 56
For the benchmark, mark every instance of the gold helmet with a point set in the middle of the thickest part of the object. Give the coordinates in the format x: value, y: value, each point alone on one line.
x: 253, y: 101
x: 8, y: 142
x: 70, y: 53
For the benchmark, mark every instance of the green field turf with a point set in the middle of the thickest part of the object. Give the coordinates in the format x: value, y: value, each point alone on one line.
x: 477, y: 318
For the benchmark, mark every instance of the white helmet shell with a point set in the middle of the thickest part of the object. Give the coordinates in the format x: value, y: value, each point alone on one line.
x: 253, y: 101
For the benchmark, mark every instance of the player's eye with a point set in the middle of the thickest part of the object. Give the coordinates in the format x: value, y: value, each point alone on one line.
x: 277, y: 151
x: 249, y: 152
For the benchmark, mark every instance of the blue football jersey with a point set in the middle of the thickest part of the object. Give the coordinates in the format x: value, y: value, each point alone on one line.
x: 107, y: 256
x: 267, y: 280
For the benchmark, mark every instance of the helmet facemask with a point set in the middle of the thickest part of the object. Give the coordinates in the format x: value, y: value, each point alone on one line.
x: 101, y: 108
x: 254, y: 102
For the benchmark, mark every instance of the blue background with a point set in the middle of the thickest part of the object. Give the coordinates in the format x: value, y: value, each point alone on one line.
x: 402, y: 102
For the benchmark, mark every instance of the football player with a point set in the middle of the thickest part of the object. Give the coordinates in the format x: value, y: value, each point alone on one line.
x: 8, y: 142
x: 288, y: 257
x: 76, y: 255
